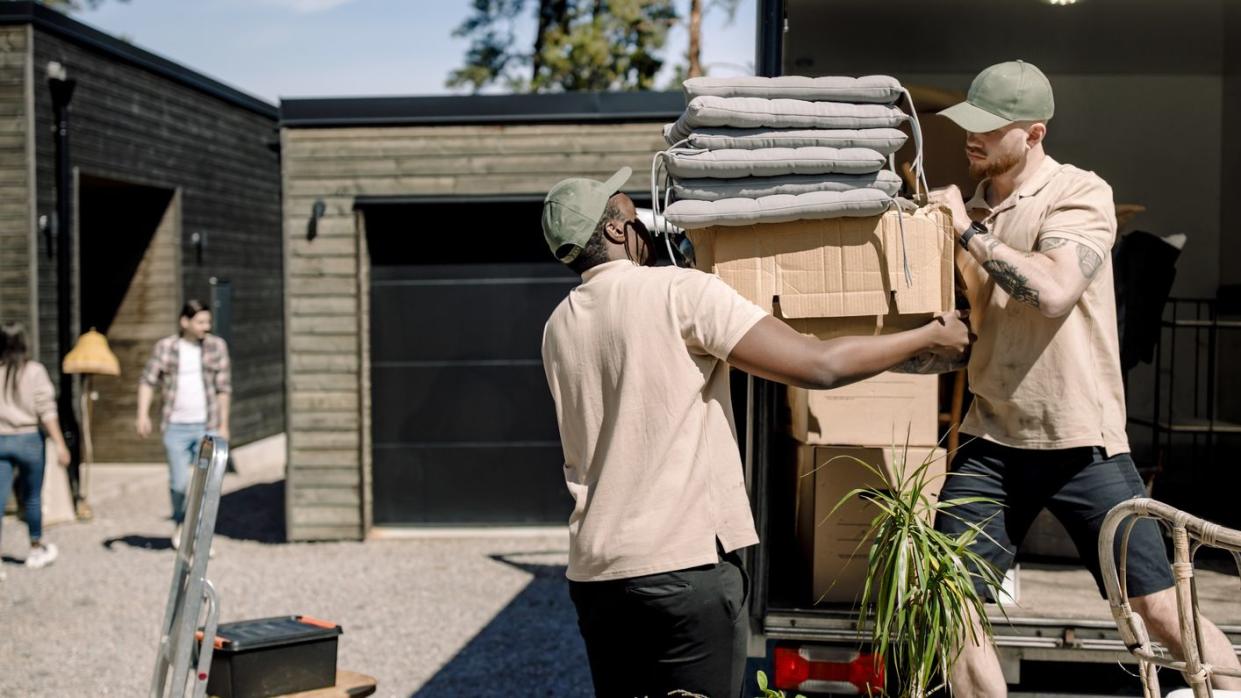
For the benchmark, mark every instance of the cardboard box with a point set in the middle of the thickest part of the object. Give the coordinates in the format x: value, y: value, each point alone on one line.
x: 891, y: 408
x: 837, y: 546
x: 862, y: 326
x: 838, y: 268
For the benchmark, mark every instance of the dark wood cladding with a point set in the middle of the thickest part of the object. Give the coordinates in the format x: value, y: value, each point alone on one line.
x: 132, y: 125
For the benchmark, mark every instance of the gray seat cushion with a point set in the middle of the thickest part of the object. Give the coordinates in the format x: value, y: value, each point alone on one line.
x: 883, y: 140
x: 873, y: 89
x: 752, y: 112
x: 771, y: 162
x: 755, y: 187
x: 780, y: 208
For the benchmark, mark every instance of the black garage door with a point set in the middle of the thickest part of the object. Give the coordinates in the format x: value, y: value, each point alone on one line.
x: 463, y: 426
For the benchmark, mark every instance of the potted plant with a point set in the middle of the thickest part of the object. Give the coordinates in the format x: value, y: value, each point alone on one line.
x: 919, y: 591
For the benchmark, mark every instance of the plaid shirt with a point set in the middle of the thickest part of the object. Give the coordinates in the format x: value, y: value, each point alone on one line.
x: 161, y: 371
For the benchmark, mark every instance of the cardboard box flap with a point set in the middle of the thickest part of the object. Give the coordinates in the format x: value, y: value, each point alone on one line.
x: 829, y: 305
x: 924, y: 241
x: 845, y: 267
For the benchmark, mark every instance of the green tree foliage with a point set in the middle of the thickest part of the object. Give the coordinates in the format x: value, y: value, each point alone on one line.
x: 578, y: 45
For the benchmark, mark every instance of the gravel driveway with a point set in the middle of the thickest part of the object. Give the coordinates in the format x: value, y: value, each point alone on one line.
x: 477, y: 615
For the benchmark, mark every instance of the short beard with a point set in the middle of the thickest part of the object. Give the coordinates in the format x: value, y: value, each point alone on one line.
x: 994, y: 166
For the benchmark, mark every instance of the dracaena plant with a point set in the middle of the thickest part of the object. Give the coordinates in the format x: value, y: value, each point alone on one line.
x: 919, y: 592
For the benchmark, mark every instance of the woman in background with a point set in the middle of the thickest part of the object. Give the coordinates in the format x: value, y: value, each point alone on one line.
x: 27, y: 400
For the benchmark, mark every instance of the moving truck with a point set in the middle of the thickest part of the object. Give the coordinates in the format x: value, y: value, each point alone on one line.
x: 816, y: 648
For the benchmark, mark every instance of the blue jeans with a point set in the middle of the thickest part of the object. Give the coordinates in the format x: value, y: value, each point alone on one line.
x: 181, y: 441
x: 24, y: 451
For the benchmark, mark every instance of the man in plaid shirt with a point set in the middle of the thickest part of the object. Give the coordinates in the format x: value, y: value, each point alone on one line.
x: 193, y: 370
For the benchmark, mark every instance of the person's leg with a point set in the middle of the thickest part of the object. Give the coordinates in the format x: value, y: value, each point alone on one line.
x: 1083, y: 503
x: 651, y: 635
x: 612, y: 643
x: 1159, y: 612
x: 6, y: 473
x: 29, y: 454
x: 180, y: 445
x: 982, y: 469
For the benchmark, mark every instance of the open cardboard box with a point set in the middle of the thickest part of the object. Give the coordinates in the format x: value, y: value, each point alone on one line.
x: 837, y: 546
x: 838, y: 268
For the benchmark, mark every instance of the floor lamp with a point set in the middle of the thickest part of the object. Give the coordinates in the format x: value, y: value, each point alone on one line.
x: 89, y: 357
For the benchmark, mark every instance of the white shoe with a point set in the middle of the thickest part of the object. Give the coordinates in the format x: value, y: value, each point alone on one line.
x: 176, y: 542
x: 42, y: 556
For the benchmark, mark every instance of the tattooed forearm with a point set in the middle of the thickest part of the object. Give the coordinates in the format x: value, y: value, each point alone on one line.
x: 1049, y: 244
x: 1088, y: 261
x: 1012, y: 281
x: 930, y: 363
x: 989, y: 243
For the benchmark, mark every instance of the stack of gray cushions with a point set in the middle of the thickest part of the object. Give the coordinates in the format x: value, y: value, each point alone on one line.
x: 770, y: 150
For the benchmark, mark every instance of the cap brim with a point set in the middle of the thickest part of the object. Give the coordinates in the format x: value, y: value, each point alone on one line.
x: 617, y: 180
x: 974, y: 119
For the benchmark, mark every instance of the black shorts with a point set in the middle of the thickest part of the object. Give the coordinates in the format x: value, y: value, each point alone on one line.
x: 1079, y: 486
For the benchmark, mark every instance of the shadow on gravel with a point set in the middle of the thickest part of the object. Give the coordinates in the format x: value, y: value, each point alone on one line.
x: 137, y: 541
x: 531, y: 648
x: 253, y: 513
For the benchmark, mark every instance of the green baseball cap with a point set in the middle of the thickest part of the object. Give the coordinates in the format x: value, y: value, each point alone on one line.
x: 1002, y: 94
x: 573, y: 209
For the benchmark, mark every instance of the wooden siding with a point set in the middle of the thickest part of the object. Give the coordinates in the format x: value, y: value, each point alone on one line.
x: 326, y: 278
x: 130, y: 125
x: 17, y: 277
x: 131, y: 337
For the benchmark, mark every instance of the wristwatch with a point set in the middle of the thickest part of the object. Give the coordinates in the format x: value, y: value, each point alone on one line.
x: 975, y: 228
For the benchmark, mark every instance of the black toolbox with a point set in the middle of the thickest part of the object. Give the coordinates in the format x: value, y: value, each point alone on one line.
x: 271, y: 656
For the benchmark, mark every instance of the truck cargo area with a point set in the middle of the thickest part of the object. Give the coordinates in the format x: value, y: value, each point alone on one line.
x: 1059, y: 616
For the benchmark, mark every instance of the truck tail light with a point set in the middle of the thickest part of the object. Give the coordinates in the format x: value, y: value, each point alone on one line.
x: 818, y: 669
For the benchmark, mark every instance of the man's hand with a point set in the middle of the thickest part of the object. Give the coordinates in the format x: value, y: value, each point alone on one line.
x: 62, y: 455
x: 223, y: 433
x: 143, y: 426
x: 950, y: 196
x: 952, y: 334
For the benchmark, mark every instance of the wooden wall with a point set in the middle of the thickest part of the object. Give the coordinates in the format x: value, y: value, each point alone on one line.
x: 131, y: 337
x: 132, y: 125
x: 17, y: 229
x: 326, y: 284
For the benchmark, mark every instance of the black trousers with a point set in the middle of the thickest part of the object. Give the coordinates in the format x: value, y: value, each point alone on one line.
x: 651, y: 635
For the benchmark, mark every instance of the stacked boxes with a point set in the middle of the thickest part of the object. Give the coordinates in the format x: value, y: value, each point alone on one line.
x: 829, y: 271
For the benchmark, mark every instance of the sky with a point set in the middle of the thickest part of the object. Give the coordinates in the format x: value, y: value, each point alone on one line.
x: 348, y: 48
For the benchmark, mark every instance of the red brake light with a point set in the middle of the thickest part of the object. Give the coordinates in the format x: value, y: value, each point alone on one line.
x: 791, y: 669
x: 827, y: 670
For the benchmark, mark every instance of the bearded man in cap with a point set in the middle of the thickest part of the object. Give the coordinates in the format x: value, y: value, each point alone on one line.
x: 1047, y: 425
x: 637, y: 361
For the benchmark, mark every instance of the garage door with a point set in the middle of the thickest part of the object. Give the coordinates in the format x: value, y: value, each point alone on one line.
x: 463, y: 425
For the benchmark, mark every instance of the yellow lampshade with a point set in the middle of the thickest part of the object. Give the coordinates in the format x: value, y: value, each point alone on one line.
x: 92, y: 355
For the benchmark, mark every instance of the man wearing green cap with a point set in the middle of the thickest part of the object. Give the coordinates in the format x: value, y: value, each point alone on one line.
x: 637, y: 361
x: 1048, y: 417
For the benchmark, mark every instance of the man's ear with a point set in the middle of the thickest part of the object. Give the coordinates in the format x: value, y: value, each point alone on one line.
x: 1036, y: 134
x: 613, y: 233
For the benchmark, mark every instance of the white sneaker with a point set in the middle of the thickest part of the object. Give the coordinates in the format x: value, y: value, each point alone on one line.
x: 42, y: 556
x: 176, y: 542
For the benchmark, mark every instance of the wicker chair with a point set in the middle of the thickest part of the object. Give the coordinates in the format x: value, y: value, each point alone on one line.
x: 1188, y: 534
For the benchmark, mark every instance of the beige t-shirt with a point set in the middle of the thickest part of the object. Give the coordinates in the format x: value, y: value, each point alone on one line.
x: 1038, y: 382
x: 635, y: 361
x: 32, y: 400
